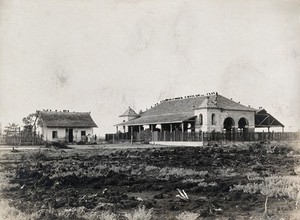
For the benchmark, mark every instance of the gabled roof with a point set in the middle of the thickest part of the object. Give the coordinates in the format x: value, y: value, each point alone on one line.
x: 264, y: 119
x: 208, y: 103
x: 178, y: 110
x: 66, y: 119
x: 129, y: 112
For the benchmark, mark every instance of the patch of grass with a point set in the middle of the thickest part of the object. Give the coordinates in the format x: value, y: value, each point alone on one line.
x: 253, y: 176
x: 180, y: 172
x: 187, y: 216
x: 103, y: 215
x: 140, y: 214
x: 11, y: 213
x: 228, y: 172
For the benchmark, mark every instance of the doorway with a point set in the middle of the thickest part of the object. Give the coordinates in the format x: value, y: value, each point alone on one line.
x: 70, y: 135
x: 242, y: 124
x: 228, y: 126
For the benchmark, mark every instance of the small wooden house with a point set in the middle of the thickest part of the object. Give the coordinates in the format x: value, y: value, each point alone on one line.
x: 65, y: 125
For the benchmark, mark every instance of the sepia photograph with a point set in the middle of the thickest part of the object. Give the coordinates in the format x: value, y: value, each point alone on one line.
x: 149, y: 109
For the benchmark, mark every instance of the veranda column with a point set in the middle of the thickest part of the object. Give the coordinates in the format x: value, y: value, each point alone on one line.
x: 171, y: 130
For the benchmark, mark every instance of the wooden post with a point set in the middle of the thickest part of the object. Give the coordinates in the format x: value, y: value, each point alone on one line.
x: 19, y: 136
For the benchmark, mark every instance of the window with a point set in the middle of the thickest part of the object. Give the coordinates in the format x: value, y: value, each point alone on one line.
x: 201, y: 119
x: 213, y: 119
x: 54, y: 134
x: 82, y: 133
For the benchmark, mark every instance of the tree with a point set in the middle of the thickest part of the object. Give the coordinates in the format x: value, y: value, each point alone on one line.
x: 12, y: 127
x: 29, y: 121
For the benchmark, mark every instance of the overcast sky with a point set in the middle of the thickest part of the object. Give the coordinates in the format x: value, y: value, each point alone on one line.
x: 103, y: 56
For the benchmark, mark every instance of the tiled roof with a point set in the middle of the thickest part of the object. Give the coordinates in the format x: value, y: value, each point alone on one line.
x: 177, y: 110
x: 129, y: 112
x: 66, y: 119
x: 159, y: 119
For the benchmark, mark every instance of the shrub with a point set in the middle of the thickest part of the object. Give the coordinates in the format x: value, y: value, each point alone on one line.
x: 274, y: 186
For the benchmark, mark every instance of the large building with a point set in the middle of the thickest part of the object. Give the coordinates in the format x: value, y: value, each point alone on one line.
x: 209, y: 113
x: 64, y: 125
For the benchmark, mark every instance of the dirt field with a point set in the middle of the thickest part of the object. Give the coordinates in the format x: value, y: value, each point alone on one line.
x: 221, y: 182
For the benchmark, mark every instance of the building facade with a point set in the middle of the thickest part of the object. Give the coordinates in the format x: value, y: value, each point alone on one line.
x: 65, y: 126
x: 210, y: 113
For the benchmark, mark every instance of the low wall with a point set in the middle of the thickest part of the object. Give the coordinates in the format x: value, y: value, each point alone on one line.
x: 179, y: 143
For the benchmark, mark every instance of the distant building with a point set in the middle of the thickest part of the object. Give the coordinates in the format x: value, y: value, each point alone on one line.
x: 128, y: 115
x: 65, y: 126
x: 209, y: 113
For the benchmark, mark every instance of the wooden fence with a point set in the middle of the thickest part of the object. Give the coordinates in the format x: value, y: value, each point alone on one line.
x: 203, y: 136
x: 21, y: 138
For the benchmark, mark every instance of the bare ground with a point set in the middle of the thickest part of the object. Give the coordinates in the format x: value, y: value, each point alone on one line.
x: 45, y: 182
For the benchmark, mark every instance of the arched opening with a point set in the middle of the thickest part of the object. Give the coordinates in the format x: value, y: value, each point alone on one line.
x: 243, y: 123
x: 201, y: 119
x: 243, y: 128
x: 213, y: 119
x: 228, y: 126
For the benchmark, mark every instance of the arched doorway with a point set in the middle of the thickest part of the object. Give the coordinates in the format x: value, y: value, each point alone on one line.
x: 228, y: 126
x: 243, y: 122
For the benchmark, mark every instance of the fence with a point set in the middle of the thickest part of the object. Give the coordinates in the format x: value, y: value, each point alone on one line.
x: 21, y: 138
x: 204, y: 136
